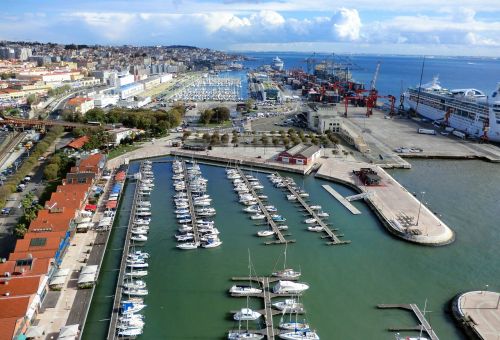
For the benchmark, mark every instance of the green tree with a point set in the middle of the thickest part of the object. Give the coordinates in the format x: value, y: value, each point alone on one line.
x: 255, y: 141
x: 225, y: 138
x: 186, y: 135
x: 264, y: 139
x: 220, y: 114
x: 249, y: 103
x: 31, y: 99
x: 95, y: 115
x: 50, y: 172
x: 206, y: 137
x: 20, y: 230
x: 206, y: 116
x: 234, y: 140
x: 275, y: 141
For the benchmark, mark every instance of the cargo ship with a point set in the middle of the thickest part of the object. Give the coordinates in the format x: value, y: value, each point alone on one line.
x: 469, y: 111
x: 278, y: 64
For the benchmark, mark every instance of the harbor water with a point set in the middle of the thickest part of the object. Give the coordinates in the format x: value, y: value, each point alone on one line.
x: 188, y: 290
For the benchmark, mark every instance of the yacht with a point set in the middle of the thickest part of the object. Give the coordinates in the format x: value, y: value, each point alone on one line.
x: 130, y: 332
x: 139, y: 238
x: 265, y: 233
x: 236, y: 335
x: 137, y: 273
x: 310, y: 220
x: 315, y: 207
x: 188, y: 245
x: 296, y: 335
x: 289, y: 306
x: 291, y: 197
x: 137, y: 284
x: 316, y: 228
x: 244, y: 290
x: 286, y: 273
x: 135, y: 292
x: 246, y: 314
x: 323, y: 214
x: 289, y: 287
x: 212, y: 243
x: 258, y: 216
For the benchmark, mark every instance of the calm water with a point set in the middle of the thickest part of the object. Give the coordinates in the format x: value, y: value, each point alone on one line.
x: 188, y: 289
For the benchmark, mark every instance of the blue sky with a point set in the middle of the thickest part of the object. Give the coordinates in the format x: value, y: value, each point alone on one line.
x: 448, y: 27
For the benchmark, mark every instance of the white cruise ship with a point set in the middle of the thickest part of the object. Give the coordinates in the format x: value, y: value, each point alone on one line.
x: 278, y: 64
x: 467, y: 110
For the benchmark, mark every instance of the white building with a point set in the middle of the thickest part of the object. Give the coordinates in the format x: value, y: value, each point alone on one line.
x: 102, y: 100
x: 124, y: 79
x: 117, y: 135
x: 130, y: 90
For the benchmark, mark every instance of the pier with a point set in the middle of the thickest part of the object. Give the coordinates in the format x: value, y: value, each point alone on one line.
x: 277, y: 232
x: 326, y: 229
x: 191, y: 205
x: 268, y: 312
x: 123, y: 264
x: 341, y: 199
x: 424, y: 324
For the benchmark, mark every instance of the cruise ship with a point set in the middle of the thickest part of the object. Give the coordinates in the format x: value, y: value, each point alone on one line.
x: 278, y: 64
x: 468, y: 111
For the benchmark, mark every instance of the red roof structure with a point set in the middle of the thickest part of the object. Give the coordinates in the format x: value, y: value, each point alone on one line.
x: 78, y: 143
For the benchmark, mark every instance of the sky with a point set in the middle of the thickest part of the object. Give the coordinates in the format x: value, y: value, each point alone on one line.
x: 417, y: 27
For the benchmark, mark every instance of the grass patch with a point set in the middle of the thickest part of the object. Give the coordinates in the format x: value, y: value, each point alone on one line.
x: 122, y: 149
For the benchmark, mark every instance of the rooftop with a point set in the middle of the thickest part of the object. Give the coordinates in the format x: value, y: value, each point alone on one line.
x: 78, y: 143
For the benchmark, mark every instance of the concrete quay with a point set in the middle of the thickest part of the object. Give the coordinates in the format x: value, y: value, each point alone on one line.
x: 400, y: 212
x: 478, y: 313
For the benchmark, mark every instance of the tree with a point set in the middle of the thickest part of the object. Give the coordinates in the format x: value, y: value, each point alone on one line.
x: 215, y: 139
x: 31, y: 99
x: 235, y: 139
x: 186, y: 135
x: 220, y: 114
x: 95, y: 115
x: 255, y: 141
x: 20, y: 230
x: 225, y: 138
x: 265, y: 139
x: 50, y: 172
x: 206, y: 136
x: 275, y: 141
x: 206, y: 116
x: 286, y: 141
x: 249, y: 103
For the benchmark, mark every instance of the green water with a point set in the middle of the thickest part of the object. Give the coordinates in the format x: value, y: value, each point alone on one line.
x: 188, y: 289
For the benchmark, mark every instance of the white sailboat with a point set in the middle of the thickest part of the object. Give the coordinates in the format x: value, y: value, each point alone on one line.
x: 296, y: 335
x: 289, y: 287
x: 246, y: 314
x: 286, y: 273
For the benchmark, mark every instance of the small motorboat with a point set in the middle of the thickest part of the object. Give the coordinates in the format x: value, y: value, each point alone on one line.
x: 316, y: 207
x: 137, y: 273
x: 299, y: 326
x: 244, y: 290
x: 310, y: 220
x: 188, y: 245
x: 295, y: 335
x: 265, y: 233
x: 258, y: 217
x: 316, y: 228
x: 289, y: 287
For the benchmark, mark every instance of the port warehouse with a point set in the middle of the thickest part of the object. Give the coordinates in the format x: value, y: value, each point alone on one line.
x: 32, y: 267
x: 300, y: 154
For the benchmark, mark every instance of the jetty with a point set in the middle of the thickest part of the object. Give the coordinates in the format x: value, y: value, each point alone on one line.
x: 334, y: 239
x: 341, y: 199
x: 280, y: 238
x: 123, y: 264
x: 267, y: 295
x: 424, y: 324
x: 196, y: 233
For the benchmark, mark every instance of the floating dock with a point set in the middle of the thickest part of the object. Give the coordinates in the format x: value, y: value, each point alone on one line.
x: 326, y: 229
x: 277, y: 232
x: 191, y: 206
x: 123, y: 264
x: 424, y: 324
x: 269, y: 331
x: 341, y: 199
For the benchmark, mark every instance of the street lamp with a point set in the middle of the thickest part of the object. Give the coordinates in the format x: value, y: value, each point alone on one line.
x: 420, y: 206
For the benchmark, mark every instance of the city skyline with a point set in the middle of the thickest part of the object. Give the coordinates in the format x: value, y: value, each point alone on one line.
x: 386, y: 27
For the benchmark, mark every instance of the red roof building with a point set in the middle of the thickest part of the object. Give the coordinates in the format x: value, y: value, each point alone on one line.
x: 78, y: 143
x: 300, y: 154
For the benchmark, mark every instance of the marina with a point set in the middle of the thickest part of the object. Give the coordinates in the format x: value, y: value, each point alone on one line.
x: 298, y: 195
x: 125, y: 320
x: 212, y: 88
x: 424, y: 325
x: 270, y: 219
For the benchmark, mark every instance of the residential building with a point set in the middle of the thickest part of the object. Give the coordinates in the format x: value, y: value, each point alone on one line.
x: 80, y: 104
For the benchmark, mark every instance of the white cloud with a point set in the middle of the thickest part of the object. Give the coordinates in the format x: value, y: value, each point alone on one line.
x: 346, y: 24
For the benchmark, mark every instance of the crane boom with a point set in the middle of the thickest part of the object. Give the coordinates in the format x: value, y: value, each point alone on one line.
x: 375, y: 76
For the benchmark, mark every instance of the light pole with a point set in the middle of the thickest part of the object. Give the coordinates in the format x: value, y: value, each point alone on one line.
x: 420, y: 206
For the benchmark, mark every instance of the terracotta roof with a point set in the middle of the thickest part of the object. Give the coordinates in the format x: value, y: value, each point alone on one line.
x: 68, y: 195
x: 37, y: 267
x: 14, y: 307
x: 89, y: 164
x: 78, y: 101
x: 38, y: 244
x: 20, y: 285
x: 44, y: 254
x: 78, y: 143
x: 52, y: 221
x: 8, y: 327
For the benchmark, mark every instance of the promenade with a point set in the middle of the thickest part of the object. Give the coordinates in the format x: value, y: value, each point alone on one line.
x: 400, y: 212
x: 479, y: 313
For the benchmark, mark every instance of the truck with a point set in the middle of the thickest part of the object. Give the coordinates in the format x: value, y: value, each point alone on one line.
x: 427, y: 131
x: 459, y: 134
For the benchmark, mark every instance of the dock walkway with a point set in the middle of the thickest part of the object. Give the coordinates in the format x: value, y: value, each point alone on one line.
x: 191, y: 205
x: 123, y: 264
x: 329, y: 232
x: 424, y: 324
x: 269, y: 331
x: 277, y: 233
x: 341, y: 199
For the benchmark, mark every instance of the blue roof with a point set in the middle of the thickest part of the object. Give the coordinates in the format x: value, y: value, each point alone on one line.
x: 128, y: 86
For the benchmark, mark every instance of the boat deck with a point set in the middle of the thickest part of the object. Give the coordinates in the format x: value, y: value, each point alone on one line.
x: 424, y: 324
x: 267, y: 295
x: 280, y: 238
x: 191, y: 205
x: 341, y: 199
x: 123, y: 264
x: 335, y: 239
